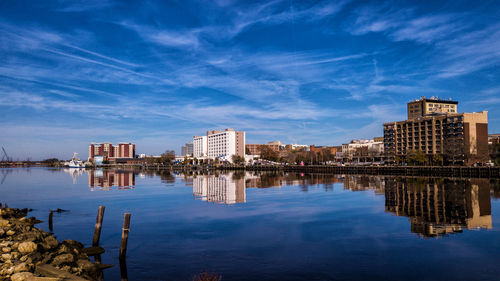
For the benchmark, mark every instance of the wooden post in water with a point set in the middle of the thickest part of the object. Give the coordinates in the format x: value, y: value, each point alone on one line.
x: 98, y: 226
x: 51, y: 217
x: 123, y: 269
x: 125, y: 231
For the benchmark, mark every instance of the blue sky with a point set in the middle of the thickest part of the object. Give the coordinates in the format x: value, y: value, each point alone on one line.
x: 156, y: 73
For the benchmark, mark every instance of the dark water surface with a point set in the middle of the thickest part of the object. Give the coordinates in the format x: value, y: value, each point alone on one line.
x: 247, y: 226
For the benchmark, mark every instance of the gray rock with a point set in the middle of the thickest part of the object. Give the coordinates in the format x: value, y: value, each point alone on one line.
x: 63, y: 259
x: 27, y: 247
x: 50, y: 242
x: 64, y: 249
x: 73, y: 244
x: 21, y: 276
x: 21, y: 267
x: 4, y: 223
x: 6, y: 257
x: 87, y: 266
x: 15, y: 255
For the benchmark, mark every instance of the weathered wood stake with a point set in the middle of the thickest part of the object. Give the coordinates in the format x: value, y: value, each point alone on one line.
x: 51, y: 218
x: 123, y: 269
x: 98, y: 226
x: 125, y: 231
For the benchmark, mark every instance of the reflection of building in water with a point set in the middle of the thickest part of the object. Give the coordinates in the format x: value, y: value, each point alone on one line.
x: 107, y: 179
x: 263, y: 180
x: 362, y: 183
x: 220, y: 189
x: 74, y: 172
x: 438, y: 207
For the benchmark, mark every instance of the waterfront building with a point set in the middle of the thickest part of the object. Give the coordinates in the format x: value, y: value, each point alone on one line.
x: 425, y: 106
x: 219, y: 144
x: 112, y: 152
x: 200, y: 146
x: 255, y: 149
x: 442, y: 133
x: 187, y: 149
x: 363, y: 150
x: 459, y: 138
x: 493, y: 139
x: 332, y: 149
x: 225, y: 144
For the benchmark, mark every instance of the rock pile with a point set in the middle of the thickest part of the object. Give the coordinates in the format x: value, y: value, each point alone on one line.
x: 28, y: 253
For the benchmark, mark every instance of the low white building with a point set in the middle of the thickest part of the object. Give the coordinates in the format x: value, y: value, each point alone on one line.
x: 363, y: 147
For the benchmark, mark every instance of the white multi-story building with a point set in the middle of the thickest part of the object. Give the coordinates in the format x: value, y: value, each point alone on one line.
x: 225, y: 144
x: 219, y: 144
x: 200, y: 148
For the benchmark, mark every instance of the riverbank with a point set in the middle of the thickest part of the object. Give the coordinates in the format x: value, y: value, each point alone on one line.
x: 29, y: 253
x: 428, y: 171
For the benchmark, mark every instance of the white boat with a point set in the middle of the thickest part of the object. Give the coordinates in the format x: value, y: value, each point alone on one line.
x: 75, y: 163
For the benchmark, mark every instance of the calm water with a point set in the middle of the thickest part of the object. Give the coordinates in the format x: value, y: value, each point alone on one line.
x: 273, y: 226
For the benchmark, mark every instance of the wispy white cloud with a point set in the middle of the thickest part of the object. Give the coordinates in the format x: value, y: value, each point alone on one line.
x: 471, y: 51
x: 404, y: 24
x: 83, y: 5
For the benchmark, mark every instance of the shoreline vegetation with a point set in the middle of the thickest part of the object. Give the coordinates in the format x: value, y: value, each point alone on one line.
x: 29, y: 253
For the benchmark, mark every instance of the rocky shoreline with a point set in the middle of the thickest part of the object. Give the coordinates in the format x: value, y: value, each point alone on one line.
x: 29, y: 253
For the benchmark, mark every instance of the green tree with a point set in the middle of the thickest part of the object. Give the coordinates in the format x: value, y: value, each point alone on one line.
x: 437, y: 159
x: 237, y: 159
x: 495, y: 154
x: 416, y: 157
x: 167, y: 157
x: 268, y: 153
x: 398, y: 160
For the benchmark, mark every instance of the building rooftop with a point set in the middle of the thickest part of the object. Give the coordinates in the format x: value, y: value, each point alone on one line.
x: 435, y: 100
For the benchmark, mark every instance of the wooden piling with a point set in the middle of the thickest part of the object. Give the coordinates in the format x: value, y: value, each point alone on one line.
x: 125, y: 231
x: 123, y: 269
x: 51, y: 218
x: 98, y: 226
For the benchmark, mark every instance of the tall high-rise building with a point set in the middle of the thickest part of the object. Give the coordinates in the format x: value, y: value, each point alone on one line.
x: 459, y: 138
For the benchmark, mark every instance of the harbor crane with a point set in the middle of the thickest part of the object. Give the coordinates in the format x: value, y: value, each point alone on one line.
x: 5, y: 156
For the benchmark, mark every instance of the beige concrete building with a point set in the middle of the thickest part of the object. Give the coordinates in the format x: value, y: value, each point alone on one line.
x: 435, y: 128
x: 460, y: 138
x: 425, y: 106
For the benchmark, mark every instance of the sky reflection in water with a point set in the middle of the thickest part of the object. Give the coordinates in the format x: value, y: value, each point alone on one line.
x: 248, y: 226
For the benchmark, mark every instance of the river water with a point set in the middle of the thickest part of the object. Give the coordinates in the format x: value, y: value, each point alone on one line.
x: 251, y: 226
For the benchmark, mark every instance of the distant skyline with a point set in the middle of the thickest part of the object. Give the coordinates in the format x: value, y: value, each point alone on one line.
x: 157, y: 73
